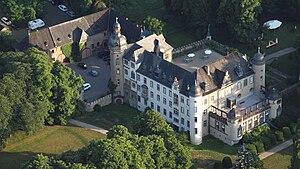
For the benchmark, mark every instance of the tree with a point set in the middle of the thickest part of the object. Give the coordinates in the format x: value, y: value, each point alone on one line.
x: 295, y: 161
x: 111, y: 86
x: 65, y: 93
x: 29, y: 13
x: 226, y: 162
x: 6, y: 41
x: 247, y: 159
x: 297, y: 44
x: 154, y: 25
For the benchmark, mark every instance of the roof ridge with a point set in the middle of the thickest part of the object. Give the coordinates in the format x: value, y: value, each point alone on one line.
x: 50, y: 32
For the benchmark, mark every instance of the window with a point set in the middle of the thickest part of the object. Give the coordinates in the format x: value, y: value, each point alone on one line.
x: 145, y: 102
x: 251, y: 80
x: 170, y: 114
x: 98, y: 43
x: 250, y: 124
x: 158, y: 98
x: 195, y: 118
x: 133, y: 85
x: 138, y: 77
x: 216, y: 124
x: 255, y: 121
x: 170, y: 93
x: 164, y: 90
x: 228, y: 91
x: 170, y: 104
x: 151, y: 94
x: 205, y: 112
x: 126, y: 62
x: 175, y: 99
x: 188, y: 113
x: 188, y: 123
x: 239, y: 131
x: 117, y: 61
x: 176, y: 111
x: 145, y: 80
x: 238, y: 86
x: 245, y: 82
x: 138, y: 88
x: 267, y: 117
x: 118, y: 71
x: 176, y: 120
x: 126, y: 71
x: 223, y: 127
x: 204, y: 123
x: 261, y: 78
x: 182, y: 110
x: 158, y: 108
x: 187, y: 102
x: 182, y: 121
x: 151, y: 84
x: 182, y: 99
x: 118, y: 81
x: 165, y: 112
x: 251, y: 89
x: 205, y: 101
x: 164, y: 100
x: 261, y: 118
x: 132, y: 75
x: 152, y: 105
x: 212, y: 98
x: 158, y: 87
x: 195, y: 109
x: 132, y: 65
x: 196, y: 131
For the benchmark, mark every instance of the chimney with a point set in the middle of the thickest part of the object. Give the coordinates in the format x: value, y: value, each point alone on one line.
x: 156, y: 49
x: 206, y: 69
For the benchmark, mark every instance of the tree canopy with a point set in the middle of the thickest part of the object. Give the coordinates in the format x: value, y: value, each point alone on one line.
x: 154, y: 25
x: 6, y: 41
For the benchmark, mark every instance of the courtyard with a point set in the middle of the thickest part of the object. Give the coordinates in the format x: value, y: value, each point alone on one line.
x: 99, y: 83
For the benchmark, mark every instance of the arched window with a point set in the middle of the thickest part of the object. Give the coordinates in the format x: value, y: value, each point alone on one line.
x: 132, y: 75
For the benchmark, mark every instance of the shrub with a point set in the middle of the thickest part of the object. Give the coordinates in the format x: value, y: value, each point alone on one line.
x: 226, y: 162
x: 252, y: 149
x: 293, y: 127
x: 279, y: 136
x: 287, y: 133
x: 97, y: 108
x: 217, y: 165
x: 259, y: 146
x: 272, y: 138
x: 298, y: 123
x: 266, y: 141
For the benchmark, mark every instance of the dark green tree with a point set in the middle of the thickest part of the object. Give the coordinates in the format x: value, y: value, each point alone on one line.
x: 6, y: 41
x: 226, y: 162
x: 154, y: 25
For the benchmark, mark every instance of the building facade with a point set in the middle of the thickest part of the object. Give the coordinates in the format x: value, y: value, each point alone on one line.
x: 200, y: 92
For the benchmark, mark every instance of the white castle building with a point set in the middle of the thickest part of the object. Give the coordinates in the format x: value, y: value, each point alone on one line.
x: 198, y: 91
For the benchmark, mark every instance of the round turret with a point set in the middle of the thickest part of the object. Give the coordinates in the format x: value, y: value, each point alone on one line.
x: 274, y: 95
x: 259, y: 58
x: 195, y: 90
x: 116, y: 39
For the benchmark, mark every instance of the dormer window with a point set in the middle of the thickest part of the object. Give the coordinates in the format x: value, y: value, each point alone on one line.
x: 45, y: 43
x: 69, y: 36
x: 58, y: 39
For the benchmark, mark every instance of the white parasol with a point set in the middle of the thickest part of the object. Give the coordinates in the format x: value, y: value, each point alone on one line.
x: 191, y: 55
x: 208, y: 52
x: 273, y: 24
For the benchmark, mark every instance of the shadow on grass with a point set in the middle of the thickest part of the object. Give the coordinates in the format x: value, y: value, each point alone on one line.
x: 14, y: 160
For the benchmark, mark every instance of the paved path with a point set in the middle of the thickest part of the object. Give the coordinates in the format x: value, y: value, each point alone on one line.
x: 277, y: 54
x: 276, y: 149
x: 88, y: 126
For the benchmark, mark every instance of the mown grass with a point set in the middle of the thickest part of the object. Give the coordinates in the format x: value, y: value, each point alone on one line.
x: 50, y: 140
x: 280, y: 160
x: 111, y: 115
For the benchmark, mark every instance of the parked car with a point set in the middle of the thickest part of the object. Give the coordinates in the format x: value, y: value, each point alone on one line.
x: 82, y: 65
x: 103, y: 53
x: 34, y: 24
x: 93, y: 73
x: 6, y: 21
x: 86, y: 86
x: 71, y: 13
x: 63, y: 8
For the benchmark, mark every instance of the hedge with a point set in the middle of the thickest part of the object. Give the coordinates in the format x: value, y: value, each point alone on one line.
x: 272, y: 138
x: 252, y: 149
x: 287, y: 133
x: 259, y: 146
x: 293, y: 127
x: 279, y: 136
x: 266, y: 141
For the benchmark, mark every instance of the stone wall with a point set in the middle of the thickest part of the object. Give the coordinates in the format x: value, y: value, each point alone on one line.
x: 103, y: 101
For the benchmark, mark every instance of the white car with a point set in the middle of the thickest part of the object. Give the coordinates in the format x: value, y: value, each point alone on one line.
x: 86, y: 86
x: 6, y: 21
x: 63, y: 8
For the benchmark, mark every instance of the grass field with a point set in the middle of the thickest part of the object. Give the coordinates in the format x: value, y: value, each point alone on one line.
x: 211, y: 150
x: 111, y: 115
x: 289, y: 64
x: 51, y: 140
x: 280, y: 160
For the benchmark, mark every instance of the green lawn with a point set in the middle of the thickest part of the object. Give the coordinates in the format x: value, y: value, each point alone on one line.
x: 211, y: 150
x: 111, y: 115
x: 289, y: 64
x: 50, y: 140
x: 280, y: 160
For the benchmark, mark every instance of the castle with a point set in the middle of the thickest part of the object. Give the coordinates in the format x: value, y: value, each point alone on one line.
x: 200, y: 92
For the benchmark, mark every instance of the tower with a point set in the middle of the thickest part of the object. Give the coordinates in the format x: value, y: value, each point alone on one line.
x: 258, y: 67
x: 117, y: 45
x: 275, y: 103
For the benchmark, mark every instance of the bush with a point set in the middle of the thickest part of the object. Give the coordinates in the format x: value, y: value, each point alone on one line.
x: 266, y: 141
x: 287, y: 133
x: 226, y: 162
x: 252, y: 149
x: 217, y: 165
x: 293, y: 127
x: 272, y: 138
x: 97, y: 108
x: 279, y: 136
x: 259, y: 146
